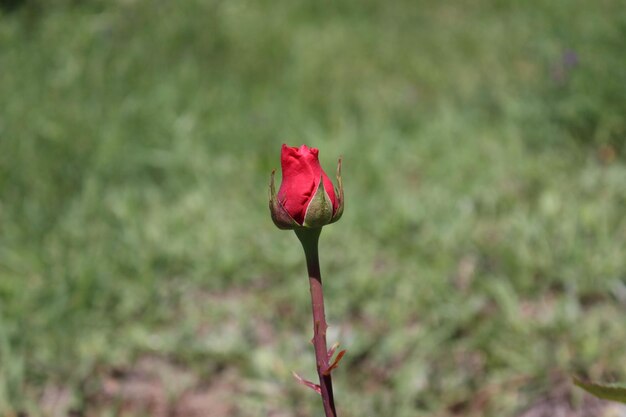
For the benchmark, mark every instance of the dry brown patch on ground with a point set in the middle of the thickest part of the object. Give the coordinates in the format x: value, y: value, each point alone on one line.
x: 158, y: 388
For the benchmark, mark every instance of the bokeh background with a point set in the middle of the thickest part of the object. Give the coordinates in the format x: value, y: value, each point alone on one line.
x: 480, y: 262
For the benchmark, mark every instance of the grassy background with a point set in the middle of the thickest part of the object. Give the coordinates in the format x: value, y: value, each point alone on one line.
x: 481, y: 256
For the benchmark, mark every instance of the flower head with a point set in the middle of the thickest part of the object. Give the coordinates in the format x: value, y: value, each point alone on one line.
x: 307, y: 197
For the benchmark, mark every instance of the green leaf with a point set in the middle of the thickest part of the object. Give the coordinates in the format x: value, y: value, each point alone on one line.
x: 613, y: 392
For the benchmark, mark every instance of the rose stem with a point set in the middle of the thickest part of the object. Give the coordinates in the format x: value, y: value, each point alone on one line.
x: 309, y: 239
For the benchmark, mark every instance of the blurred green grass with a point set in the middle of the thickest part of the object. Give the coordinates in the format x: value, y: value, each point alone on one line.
x: 484, y: 235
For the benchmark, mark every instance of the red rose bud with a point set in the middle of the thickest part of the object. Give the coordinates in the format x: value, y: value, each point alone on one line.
x: 307, y: 197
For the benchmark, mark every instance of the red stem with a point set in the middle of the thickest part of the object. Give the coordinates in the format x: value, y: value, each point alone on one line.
x: 309, y: 239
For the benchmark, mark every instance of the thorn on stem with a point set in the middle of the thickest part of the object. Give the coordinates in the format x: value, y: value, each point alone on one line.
x: 332, y: 349
x: 335, y: 363
x: 313, y: 386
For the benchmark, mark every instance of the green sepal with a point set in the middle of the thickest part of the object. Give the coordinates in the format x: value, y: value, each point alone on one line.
x: 338, y: 194
x: 320, y: 209
x: 280, y: 216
